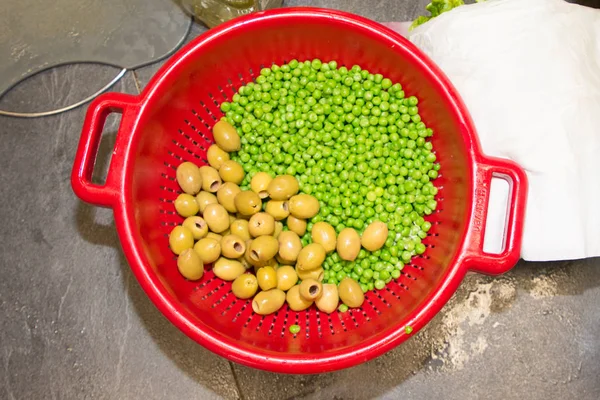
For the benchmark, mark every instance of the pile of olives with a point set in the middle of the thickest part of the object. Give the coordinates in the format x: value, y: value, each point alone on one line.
x: 252, y: 237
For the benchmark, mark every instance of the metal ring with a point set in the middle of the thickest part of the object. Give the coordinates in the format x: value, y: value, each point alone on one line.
x: 72, y: 106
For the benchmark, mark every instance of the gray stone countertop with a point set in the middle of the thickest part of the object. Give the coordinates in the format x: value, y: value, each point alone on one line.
x: 74, y: 323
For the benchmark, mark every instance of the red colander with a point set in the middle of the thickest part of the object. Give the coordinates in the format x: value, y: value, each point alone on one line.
x: 171, y: 121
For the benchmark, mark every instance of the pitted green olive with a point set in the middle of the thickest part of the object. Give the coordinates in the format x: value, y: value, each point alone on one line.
x: 217, y: 218
x: 310, y: 289
x: 316, y: 274
x: 196, y: 225
x: 304, y: 206
x: 226, y: 196
x: 227, y: 269
x: 311, y: 257
x: 286, y: 277
x: 283, y: 187
x: 214, y: 236
x: 374, y: 237
x: 231, y: 171
x: 211, y: 181
x: 226, y: 136
x: 290, y: 246
x: 324, y: 234
x: 329, y: 299
x: 278, y: 209
x: 267, y: 278
x: 244, y: 286
x: 350, y: 293
x: 295, y: 301
x: 248, y: 203
x: 259, y: 184
x: 268, y: 302
x: 233, y: 246
x: 281, y: 261
x: 261, y: 224
x: 186, y: 205
x: 189, y: 178
x: 263, y: 248
x: 239, y: 227
x: 216, y: 156
x: 180, y: 239
x: 348, y: 244
x: 190, y: 265
x: 204, y: 199
x: 278, y: 229
x: 297, y: 225
x: 208, y: 249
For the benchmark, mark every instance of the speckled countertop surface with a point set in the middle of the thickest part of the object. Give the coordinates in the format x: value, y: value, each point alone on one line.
x: 74, y: 323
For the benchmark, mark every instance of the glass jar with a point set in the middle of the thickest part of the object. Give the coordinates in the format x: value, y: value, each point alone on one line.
x: 215, y: 12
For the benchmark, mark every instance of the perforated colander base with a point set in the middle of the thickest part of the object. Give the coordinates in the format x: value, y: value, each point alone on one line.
x: 214, y: 295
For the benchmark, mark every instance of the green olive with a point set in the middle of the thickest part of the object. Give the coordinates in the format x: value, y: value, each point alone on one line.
x: 231, y: 171
x: 204, y: 199
x: 217, y: 218
x: 283, y: 187
x: 267, y: 278
x: 263, y: 248
x: 261, y: 224
x: 249, y: 260
x: 296, y: 225
x: 316, y: 274
x: 268, y: 302
x: 231, y: 220
x: 278, y: 209
x: 189, y: 178
x: 269, y: 263
x: 259, y: 184
x: 239, y: 215
x: 350, y: 293
x: 286, y: 277
x: 310, y: 289
x: 329, y: 299
x: 245, y: 262
x: 186, y: 205
x: 348, y: 244
x: 278, y: 229
x: 248, y: 203
x: 216, y: 156
x: 311, y: 257
x: 214, y: 236
x: 227, y: 269
x: 324, y: 234
x: 374, y: 237
x: 196, y: 225
x: 190, y: 265
x: 226, y: 136
x: 180, y: 239
x: 295, y: 301
x: 226, y: 196
x: 282, y: 261
x: 244, y: 286
x: 208, y: 249
x: 290, y: 246
x: 304, y: 206
x: 239, y: 227
x: 211, y: 181
x: 232, y: 246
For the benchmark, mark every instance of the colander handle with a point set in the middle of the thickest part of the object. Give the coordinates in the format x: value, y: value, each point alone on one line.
x: 476, y: 258
x: 105, y: 195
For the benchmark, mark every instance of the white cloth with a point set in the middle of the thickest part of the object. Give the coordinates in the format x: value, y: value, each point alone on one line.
x: 529, y: 73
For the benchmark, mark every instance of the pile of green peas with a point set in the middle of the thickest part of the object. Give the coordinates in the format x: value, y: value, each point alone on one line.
x: 356, y: 142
